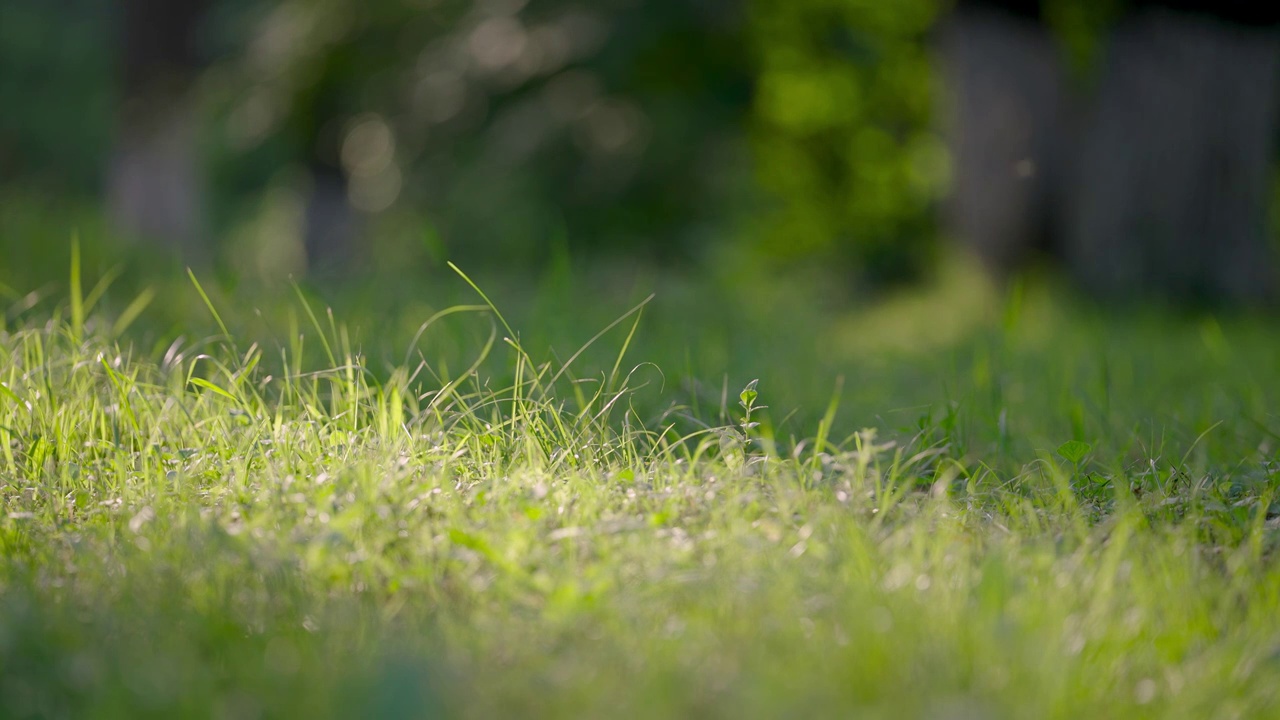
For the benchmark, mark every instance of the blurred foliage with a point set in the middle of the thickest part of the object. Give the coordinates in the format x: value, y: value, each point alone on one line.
x: 794, y: 131
x: 842, y: 132
x: 504, y: 122
x: 1080, y: 26
x: 55, y: 91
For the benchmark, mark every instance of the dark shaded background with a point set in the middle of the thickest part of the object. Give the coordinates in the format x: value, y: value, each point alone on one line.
x: 337, y: 138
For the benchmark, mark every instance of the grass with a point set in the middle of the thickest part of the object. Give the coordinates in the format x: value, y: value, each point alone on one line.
x: 1058, y: 513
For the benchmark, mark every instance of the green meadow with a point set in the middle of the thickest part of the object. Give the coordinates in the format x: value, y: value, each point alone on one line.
x: 612, y: 492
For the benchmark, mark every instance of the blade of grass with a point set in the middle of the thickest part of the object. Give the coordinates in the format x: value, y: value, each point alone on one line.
x: 633, y: 311
x: 77, y: 299
x: 209, y: 304
x: 132, y: 311
x: 100, y: 288
x: 315, y: 322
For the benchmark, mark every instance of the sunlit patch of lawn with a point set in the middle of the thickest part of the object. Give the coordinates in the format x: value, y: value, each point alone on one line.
x: 1056, y: 515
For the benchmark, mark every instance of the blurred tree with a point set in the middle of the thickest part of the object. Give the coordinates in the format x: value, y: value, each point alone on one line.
x: 57, y: 91
x: 1008, y: 118
x: 155, y: 178
x: 843, y: 132
x: 487, y: 127
x: 502, y: 120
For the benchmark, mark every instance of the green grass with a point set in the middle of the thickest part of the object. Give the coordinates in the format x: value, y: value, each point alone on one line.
x: 248, y: 514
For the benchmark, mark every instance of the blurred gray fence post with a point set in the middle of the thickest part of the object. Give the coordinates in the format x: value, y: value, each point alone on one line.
x: 1006, y: 114
x: 154, y: 184
x: 1175, y: 177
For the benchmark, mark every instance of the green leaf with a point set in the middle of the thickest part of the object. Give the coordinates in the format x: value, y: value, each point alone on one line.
x: 201, y: 382
x: 749, y: 394
x: 1073, y: 451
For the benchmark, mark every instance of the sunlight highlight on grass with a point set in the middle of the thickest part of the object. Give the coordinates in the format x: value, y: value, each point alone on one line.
x: 208, y: 529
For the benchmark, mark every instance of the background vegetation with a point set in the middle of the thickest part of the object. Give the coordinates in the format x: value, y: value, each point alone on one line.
x: 792, y: 132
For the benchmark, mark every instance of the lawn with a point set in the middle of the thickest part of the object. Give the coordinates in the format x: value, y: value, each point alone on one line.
x: 550, y: 497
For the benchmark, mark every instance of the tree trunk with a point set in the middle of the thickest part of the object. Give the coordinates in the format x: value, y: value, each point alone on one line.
x: 155, y: 187
x: 331, y: 227
x: 1006, y: 116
